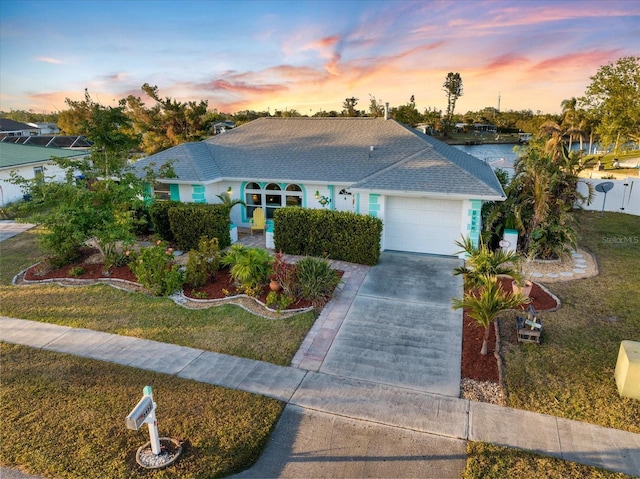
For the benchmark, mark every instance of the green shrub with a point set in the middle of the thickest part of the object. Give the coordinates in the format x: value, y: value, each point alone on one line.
x: 203, y: 263
x: 324, y: 233
x: 156, y: 269
x: 317, y: 280
x: 249, y: 267
x: 159, y: 214
x: 191, y: 221
x: 279, y: 301
x: 77, y: 271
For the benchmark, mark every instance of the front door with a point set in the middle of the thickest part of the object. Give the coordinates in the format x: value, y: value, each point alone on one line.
x: 345, y: 201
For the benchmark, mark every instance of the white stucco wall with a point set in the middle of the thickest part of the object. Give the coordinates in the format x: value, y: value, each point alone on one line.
x: 10, y: 193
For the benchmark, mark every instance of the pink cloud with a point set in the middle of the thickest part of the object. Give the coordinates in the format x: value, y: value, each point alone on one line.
x: 53, y: 61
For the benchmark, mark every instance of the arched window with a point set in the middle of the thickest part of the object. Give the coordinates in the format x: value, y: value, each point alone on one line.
x: 294, y: 195
x: 252, y: 198
x: 271, y: 197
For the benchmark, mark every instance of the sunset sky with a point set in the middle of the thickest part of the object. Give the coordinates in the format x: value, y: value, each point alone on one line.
x: 310, y: 55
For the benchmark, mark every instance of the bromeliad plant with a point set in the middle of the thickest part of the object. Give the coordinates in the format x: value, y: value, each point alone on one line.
x: 156, y: 269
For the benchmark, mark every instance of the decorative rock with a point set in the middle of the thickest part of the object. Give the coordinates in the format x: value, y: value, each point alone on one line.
x: 567, y: 274
x: 552, y: 275
x: 579, y: 271
x: 577, y: 255
x: 537, y: 275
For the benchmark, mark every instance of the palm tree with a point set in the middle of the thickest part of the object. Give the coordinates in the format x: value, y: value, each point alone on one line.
x: 226, y: 200
x: 485, y: 304
x: 482, y: 261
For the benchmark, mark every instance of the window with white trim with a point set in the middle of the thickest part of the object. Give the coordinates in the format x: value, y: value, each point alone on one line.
x: 271, y: 197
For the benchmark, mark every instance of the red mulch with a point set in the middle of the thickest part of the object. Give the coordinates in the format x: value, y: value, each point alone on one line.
x: 213, y: 289
x: 485, y: 368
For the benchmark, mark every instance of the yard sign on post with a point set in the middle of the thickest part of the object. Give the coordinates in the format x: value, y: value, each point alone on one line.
x: 145, y: 412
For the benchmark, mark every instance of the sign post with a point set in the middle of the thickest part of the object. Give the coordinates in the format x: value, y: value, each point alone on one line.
x: 145, y: 412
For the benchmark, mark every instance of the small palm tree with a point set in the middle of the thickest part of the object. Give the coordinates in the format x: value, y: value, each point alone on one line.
x: 482, y: 261
x: 485, y: 303
x: 226, y: 200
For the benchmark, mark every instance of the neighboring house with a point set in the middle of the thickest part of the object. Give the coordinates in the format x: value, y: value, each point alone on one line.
x: 46, y: 128
x: 29, y: 162
x: 427, y: 193
x: 16, y: 128
x: 477, y: 127
x: 50, y: 141
x: 222, y: 126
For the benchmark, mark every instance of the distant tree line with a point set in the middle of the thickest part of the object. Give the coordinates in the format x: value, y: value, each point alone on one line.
x: 608, y: 112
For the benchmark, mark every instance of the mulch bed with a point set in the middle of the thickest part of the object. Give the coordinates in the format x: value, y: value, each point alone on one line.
x: 485, y: 368
x: 211, y: 290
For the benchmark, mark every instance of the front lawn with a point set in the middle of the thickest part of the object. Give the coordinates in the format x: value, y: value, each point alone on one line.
x: 570, y: 374
x: 63, y: 416
x: 224, y: 329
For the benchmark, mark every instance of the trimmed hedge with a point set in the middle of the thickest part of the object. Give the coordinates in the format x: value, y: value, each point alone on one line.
x: 191, y: 221
x: 159, y: 213
x: 337, y: 235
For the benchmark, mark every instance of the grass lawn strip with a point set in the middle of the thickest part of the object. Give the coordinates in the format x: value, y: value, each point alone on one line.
x: 487, y: 461
x: 63, y: 416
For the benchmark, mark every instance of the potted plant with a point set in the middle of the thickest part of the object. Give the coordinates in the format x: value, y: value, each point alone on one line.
x: 278, y: 272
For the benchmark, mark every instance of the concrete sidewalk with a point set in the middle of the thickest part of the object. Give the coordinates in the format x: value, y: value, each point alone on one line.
x: 351, y: 399
x: 9, y: 228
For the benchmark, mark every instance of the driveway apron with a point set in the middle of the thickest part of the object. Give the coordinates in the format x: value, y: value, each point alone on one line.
x: 400, y: 329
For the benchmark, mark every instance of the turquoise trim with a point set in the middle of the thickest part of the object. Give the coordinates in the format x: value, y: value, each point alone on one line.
x: 357, y: 203
x: 374, y: 205
x: 174, y: 192
x: 332, y: 195
x: 474, y: 225
x: 198, y: 194
x: 147, y: 194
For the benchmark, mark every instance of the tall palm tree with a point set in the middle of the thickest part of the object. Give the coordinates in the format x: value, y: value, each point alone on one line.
x: 485, y: 304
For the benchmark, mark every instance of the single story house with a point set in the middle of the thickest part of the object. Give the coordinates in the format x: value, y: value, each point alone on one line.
x: 29, y: 162
x: 427, y: 193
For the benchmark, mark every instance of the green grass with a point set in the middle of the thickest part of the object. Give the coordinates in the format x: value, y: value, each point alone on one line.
x: 487, y: 461
x: 570, y: 374
x: 226, y: 329
x: 63, y: 416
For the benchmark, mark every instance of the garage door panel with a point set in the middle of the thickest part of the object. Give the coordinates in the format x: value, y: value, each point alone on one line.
x: 422, y: 225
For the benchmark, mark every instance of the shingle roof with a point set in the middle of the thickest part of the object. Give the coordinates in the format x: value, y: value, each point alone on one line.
x: 333, y: 150
x: 11, y: 125
x: 17, y: 155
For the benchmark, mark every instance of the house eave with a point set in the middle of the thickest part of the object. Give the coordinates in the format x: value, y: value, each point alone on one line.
x: 428, y: 194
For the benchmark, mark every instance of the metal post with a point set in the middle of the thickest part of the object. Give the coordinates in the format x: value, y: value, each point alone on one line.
x: 153, y: 423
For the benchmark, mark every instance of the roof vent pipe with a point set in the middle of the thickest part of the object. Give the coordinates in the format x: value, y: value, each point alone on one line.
x: 386, y: 111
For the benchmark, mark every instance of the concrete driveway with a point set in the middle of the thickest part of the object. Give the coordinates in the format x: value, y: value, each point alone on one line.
x: 400, y: 329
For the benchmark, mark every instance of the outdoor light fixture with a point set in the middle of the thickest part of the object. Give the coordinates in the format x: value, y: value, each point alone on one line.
x: 317, y: 194
x: 229, y: 191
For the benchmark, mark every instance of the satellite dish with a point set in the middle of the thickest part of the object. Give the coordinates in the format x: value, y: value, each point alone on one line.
x: 604, y: 188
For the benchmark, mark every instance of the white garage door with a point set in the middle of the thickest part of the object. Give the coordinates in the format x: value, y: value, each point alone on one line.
x: 422, y: 225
